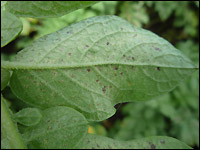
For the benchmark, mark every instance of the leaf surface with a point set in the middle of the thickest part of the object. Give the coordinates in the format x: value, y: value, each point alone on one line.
x: 94, y: 64
x: 155, y: 142
x: 11, y: 27
x: 28, y: 116
x: 60, y: 128
x: 10, y: 137
x: 44, y: 9
x: 5, y: 77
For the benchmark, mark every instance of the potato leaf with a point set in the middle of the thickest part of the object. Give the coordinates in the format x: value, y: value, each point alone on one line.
x: 11, y: 27
x: 28, y: 116
x: 61, y: 127
x: 5, y: 77
x: 10, y: 137
x: 156, y: 142
x: 94, y: 64
x: 44, y: 9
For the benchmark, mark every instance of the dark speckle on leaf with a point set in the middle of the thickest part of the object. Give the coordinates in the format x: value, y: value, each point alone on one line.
x: 86, y: 46
x: 133, y: 58
x: 132, y: 67
x: 162, y: 142
x: 69, y: 54
x: 107, y: 43
x: 121, y: 73
x: 158, y: 68
x: 157, y: 49
x: 97, y: 80
x: 115, y: 68
x: 153, y: 146
x: 104, y: 90
x: 88, y: 141
x: 88, y: 70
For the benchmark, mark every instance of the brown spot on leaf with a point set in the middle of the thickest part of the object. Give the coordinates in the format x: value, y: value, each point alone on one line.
x: 97, y: 80
x: 121, y: 73
x: 86, y: 46
x: 88, y: 70
x: 69, y: 54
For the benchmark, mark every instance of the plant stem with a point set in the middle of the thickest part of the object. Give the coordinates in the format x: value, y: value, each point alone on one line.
x: 9, y: 130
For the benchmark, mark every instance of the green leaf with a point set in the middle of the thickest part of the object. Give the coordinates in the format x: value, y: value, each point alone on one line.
x: 10, y: 137
x: 5, y: 77
x: 60, y: 128
x: 28, y: 116
x: 3, y: 3
x: 155, y: 142
x: 44, y: 9
x: 11, y: 27
x: 94, y: 64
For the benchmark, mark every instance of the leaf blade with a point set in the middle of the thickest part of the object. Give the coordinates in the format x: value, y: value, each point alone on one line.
x: 11, y: 27
x: 42, y: 9
x: 155, y: 142
x: 11, y: 137
x: 5, y: 77
x: 61, y: 127
x: 100, y: 69
x: 28, y: 116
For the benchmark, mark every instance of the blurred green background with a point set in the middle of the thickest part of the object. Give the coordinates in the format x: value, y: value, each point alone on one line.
x: 175, y: 114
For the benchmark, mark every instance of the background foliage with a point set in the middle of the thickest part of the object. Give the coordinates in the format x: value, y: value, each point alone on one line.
x: 175, y: 114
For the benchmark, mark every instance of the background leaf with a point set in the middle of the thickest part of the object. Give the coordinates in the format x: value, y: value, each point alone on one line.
x: 10, y: 137
x: 98, y: 63
x: 11, y: 27
x: 5, y: 77
x: 28, y: 116
x: 157, y: 142
x: 60, y: 128
x: 43, y: 9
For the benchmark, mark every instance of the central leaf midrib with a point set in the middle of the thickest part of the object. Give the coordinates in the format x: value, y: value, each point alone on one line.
x: 25, y: 66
